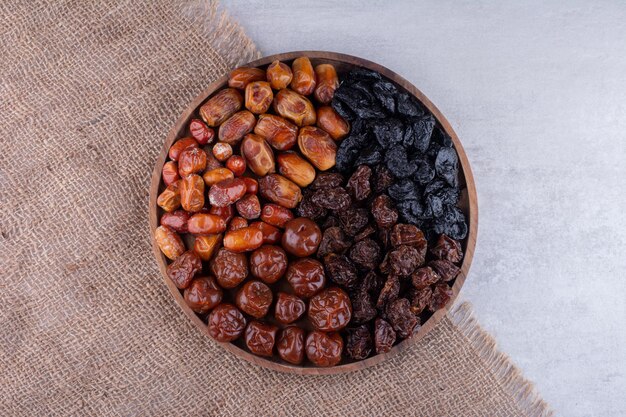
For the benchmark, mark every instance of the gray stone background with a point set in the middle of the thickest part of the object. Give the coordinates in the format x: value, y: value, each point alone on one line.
x: 537, y: 93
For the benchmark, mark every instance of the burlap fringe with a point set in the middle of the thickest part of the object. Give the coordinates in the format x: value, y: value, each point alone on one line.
x: 227, y: 35
x: 506, y: 373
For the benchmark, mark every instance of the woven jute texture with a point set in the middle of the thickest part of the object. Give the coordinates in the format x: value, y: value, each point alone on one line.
x: 88, y: 91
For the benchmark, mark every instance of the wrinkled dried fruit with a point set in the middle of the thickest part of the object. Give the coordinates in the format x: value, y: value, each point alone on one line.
x: 359, y: 343
x: 289, y: 308
x: 237, y: 125
x: 333, y: 241
x: 420, y: 299
x: 176, y: 220
x: 237, y: 165
x: 268, y: 263
x: 170, y: 173
x: 401, y: 317
x: 363, y: 309
x: 183, y: 269
x: 226, y: 323
x: 446, y: 269
x: 408, y: 234
x: 290, y: 345
x: 327, y: 83
x: 211, y: 160
x: 254, y: 298
x: 216, y: 175
x: 169, y: 199
x: 324, y: 349
x: 365, y: 254
x: 243, y: 240
x: 201, y: 132
x: 447, y: 249
x: 424, y: 277
x: 318, y: 147
x: 258, y: 154
x: 227, y: 192
x: 307, y: 208
x: 280, y: 190
x: 331, y: 198
x: 271, y: 234
x: 276, y: 215
x: 384, y: 336
x: 278, y: 132
x: 368, y: 232
x: 306, y: 277
x: 335, y: 125
x: 341, y: 270
x: 441, y: 295
x: 249, y: 207
x: 242, y: 76
x: 383, y: 211
x: 279, y: 75
x: 390, y: 291
x: 180, y: 145
x: 222, y: 151
x: 382, y: 179
x: 169, y: 242
x: 292, y: 166
x: 203, y: 294
x: 260, y: 338
x: 229, y: 268
x: 359, y: 183
x: 206, y: 245
x: 294, y: 107
x: 206, y: 224
x: 330, y: 309
x: 353, y: 220
x: 259, y: 97
x: 303, y: 81
x: 405, y: 259
x: 192, y: 193
x: 237, y: 223
x: 221, y: 106
x: 302, y: 237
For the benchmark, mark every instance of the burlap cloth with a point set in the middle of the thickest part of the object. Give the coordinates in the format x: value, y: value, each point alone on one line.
x: 87, y: 327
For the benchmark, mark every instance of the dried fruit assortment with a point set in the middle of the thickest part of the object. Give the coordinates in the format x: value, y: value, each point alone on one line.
x: 321, y: 212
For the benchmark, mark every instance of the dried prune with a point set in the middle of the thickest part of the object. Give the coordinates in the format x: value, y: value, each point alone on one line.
x: 446, y: 269
x: 424, y: 277
x: 268, y: 263
x: 226, y: 323
x: 365, y: 254
x: 383, y: 211
x: 333, y: 241
x: 401, y: 318
x: 359, y: 342
x: 306, y: 277
x: 408, y: 106
x: 390, y: 291
x: 359, y: 183
x: 446, y: 249
x: 183, y: 269
x: 324, y: 349
x: 397, y: 160
x: 388, y: 133
x: 290, y: 345
x: 405, y: 259
x: 340, y: 270
x: 404, y: 190
x: 327, y: 180
x: 260, y: 338
x: 420, y: 299
x: 424, y: 173
x: 447, y: 165
x: 363, y: 309
x: 289, y: 308
x: 353, y: 220
x: 384, y: 336
x: 254, y: 298
x: 441, y: 295
x: 229, y: 268
x: 302, y: 237
x: 331, y: 198
x: 203, y: 294
x: 308, y: 209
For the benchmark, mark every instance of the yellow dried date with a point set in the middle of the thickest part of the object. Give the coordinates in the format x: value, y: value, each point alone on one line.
x: 294, y: 107
x: 169, y: 242
x: 221, y: 106
x: 259, y: 97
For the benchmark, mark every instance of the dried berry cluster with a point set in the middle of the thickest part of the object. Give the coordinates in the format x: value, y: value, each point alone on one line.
x: 390, y: 127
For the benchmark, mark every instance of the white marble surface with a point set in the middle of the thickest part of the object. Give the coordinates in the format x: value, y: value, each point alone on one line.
x: 537, y: 94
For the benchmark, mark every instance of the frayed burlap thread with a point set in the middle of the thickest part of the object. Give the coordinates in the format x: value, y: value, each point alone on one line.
x: 88, y: 92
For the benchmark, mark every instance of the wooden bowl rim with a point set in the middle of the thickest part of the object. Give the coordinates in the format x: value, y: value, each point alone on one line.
x: 180, y: 125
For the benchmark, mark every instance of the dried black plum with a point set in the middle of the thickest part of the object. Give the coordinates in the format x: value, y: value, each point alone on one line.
x: 404, y: 190
x: 434, y: 185
x: 424, y: 173
x: 407, y: 106
x: 447, y: 165
x: 435, y: 204
x: 388, y: 133
x: 422, y: 131
x: 385, y: 92
x: 343, y: 110
x: 396, y: 159
x: 442, y: 138
x: 360, y: 73
x: 371, y: 155
x: 452, y: 223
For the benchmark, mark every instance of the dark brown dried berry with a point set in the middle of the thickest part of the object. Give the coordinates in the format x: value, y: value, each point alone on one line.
x: 446, y: 269
x: 353, y: 220
x: 372, y: 282
x: 382, y: 179
x: 404, y: 260
x: 331, y: 221
x: 390, y: 291
x: 359, y: 183
x: 359, y: 342
x: 420, y: 299
x: 327, y: 180
x: 441, y: 295
x: 401, y: 317
x: 340, y: 270
x: 384, y: 336
x: 333, y: 241
x: 307, y: 208
x: 331, y: 198
x: 383, y: 211
x: 183, y: 269
x: 366, y: 254
x: 424, y: 277
x: 408, y: 234
x: 447, y: 249
x: 363, y: 309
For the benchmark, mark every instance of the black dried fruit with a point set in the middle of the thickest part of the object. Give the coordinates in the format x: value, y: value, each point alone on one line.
x: 451, y: 223
x: 404, y: 190
x: 389, y: 133
x: 359, y: 342
x: 396, y: 159
x: 422, y: 131
x: 365, y: 254
x: 385, y: 93
x: 371, y: 155
x: 340, y: 270
x: 401, y: 317
x: 424, y: 173
x: 408, y: 106
x: 447, y: 165
x: 333, y: 241
x: 446, y: 269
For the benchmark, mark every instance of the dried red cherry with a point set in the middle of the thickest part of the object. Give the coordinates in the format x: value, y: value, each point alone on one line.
x: 289, y: 308
x: 260, y: 338
x: 306, y: 277
x: 182, y: 270
x: 268, y: 263
x: 226, y: 323
x: 324, y: 349
x: 254, y: 298
x: 330, y: 309
x: 290, y: 345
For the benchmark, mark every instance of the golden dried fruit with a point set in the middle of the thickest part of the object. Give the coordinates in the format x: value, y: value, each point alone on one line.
x: 169, y: 199
x: 169, y: 242
x: 242, y: 76
x: 191, y: 161
x: 192, y: 193
x: 294, y: 107
x: 279, y: 75
x: 258, y: 154
x: 280, y: 190
x: 243, y: 240
x: 327, y: 83
x: 221, y: 106
x: 206, y: 245
x: 233, y: 129
x: 216, y: 175
x: 294, y: 167
x: 318, y: 147
x: 259, y: 97
x: 206, y: 224
x: 278, y: 132
x: 303, y: 81
x: 335, y: 125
